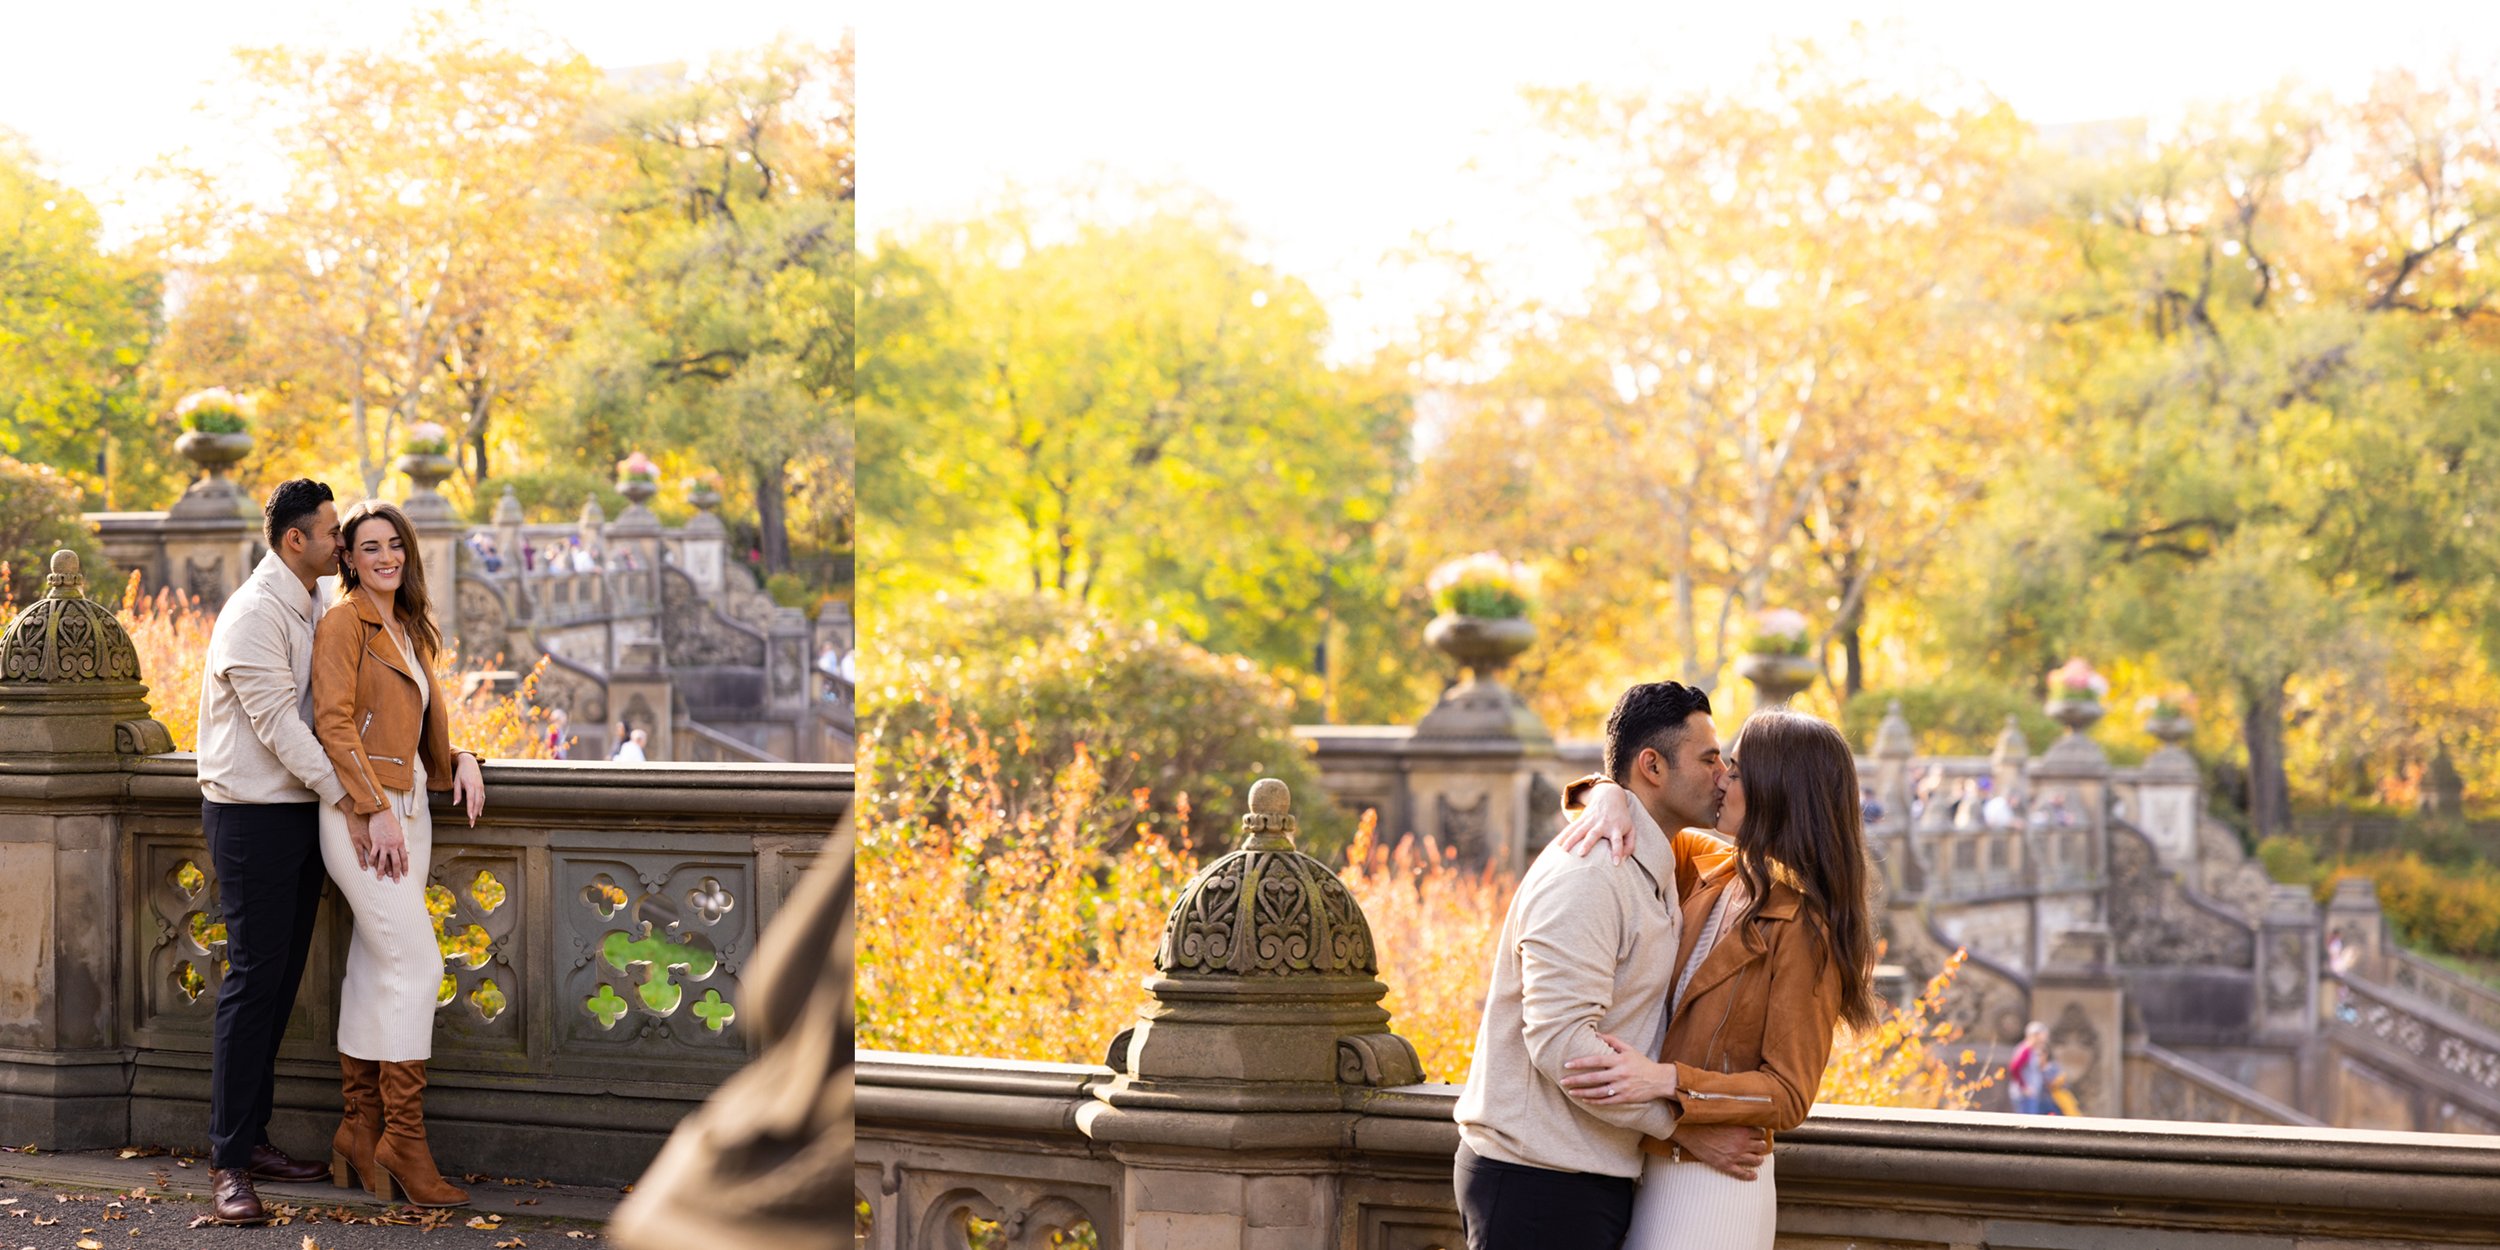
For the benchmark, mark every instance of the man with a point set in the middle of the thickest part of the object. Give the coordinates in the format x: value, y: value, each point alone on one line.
x: 261, y: 774
x: 1587, y: 949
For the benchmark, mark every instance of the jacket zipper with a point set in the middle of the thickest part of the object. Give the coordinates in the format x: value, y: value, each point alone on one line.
x: 1693, y: 1093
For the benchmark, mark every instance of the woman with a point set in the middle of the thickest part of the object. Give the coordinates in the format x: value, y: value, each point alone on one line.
x: 1781, y: 946
x: 2029, y: 1074
x: 375, y: 711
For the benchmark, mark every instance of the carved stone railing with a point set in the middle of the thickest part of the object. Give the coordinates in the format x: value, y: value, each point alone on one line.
x: 596, y: 923
x: 2162, y: 1085
x: 947, y: 1142
x: 2452, y: 1066
x: 2459, y: 994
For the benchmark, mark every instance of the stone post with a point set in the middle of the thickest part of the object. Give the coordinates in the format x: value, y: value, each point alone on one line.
x: 639, y: 690
x: 2012, y: 754
x: 2068, y: 830
x: 1263, y: 1031
x: 2287, y: 964
x: 438, y: 545
x: 702, y: 548
x: 72, y: 713
x: 1479, y: 770
x: 1895, y: 747
x: 2168, y: 795
x: 2355, y: 923
x: 211, y: 537
x: 2077, y: 994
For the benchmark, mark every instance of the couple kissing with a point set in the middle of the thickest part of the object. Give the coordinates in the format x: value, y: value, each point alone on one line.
x: 1658, y: 1012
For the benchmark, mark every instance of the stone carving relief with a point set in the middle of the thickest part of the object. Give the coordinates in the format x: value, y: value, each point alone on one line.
x: 67, y: 640
x: 2076, y: 1045
x: 694, y: 635
x: 1468, y: 829
x: 2287, y: 973
x: 482, y: 619
x: 1983, y: 1002
x: 1545, y: 817
x: 2473, y: 1060
x: 583, y: 697
x: 2156, y: 921
x: 205, y: 582
x: 2227, y: 875
x: 655, y: 945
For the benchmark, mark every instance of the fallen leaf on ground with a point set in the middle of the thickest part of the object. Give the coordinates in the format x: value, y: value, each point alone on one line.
x: 485, y: 1221
x: 578, y: 1235
x: 89, y: 1243
x: 527, y: 1202
x: 514, y: 1244
x: 309, y: 1243
x: 41, y: 1222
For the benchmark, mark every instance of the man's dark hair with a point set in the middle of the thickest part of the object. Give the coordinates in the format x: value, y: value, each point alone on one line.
x: 1649, y: 716
x: 291, y: 507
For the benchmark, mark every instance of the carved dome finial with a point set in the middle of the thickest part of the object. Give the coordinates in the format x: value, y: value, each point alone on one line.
x: 1267, y: 909
x: 65, y: 636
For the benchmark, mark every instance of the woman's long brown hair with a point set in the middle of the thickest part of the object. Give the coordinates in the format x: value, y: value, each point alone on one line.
x: 1801, y: 813
x: 411, y: 608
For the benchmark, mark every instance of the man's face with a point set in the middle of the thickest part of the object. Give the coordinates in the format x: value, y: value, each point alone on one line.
x: 1690, y: 784
x: 320, y: 538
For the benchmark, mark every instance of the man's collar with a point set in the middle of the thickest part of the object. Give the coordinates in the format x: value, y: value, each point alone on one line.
x: 283, y: 583
x: 1652, y: 849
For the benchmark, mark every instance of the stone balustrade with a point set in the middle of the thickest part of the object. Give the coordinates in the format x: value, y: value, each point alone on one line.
x: 596, y: 923
x: 953, y: 1148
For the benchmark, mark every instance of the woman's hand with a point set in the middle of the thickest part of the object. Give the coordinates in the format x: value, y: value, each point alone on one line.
x: 468, y: 788
x: 1606, y: 818
x: 390, y: 846
x: 1625, y: 1077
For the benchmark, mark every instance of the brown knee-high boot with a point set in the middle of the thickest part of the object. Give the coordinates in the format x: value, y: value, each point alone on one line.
x: 351, y: 1148
x: 402, y: 1154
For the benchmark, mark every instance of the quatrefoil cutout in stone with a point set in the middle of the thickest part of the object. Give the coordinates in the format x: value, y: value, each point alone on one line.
x: 711, y: 900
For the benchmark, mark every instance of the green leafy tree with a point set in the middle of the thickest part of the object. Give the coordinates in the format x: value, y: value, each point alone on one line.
x: 738, y: 258
x: 1130, y: 413
x: 76, y: 327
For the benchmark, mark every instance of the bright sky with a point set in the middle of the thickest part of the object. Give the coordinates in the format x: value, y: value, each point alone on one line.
x: 1338, y: 130
x: 103, y: 89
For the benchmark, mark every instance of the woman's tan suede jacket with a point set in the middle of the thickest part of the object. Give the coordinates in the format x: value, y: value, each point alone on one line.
x: 367, y: 710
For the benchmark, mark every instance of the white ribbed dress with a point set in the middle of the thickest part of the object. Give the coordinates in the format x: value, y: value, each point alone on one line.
x: 394, y: 965
x: 1688, y: 1205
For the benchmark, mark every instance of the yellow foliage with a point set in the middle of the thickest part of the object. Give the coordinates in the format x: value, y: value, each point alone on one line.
x: 1899, y: 1062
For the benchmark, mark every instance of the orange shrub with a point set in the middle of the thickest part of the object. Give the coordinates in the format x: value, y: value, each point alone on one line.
x: 993, y: 930
x: 1434, y: 925
x: 1899, y: 1062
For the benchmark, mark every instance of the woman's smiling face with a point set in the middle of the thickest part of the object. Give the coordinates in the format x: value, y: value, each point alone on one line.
x: 375, y: 554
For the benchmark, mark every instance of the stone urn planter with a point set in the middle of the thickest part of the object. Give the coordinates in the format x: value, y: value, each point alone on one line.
x: 703, y: 497
x: 1777, y: 678
x: 640, y: 491
x: 426, y: 472
x: 2077, y: 715
x: 214, y: 453
x: 1480, y: 706
x: 1484, y: 645
x: 2170, y: 730
x: 214, y: 493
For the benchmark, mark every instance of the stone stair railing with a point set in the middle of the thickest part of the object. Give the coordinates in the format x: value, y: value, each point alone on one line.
x: 2452, y: 1059
x: 2165, y: 1085
x: 2459, y: 994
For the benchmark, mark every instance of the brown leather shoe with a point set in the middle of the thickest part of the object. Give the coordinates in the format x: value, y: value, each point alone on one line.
x: 402, y: 1155
x: 272, y: 1164
x: 235, y: 1201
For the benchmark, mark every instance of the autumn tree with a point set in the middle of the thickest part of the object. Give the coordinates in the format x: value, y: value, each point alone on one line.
x: 428, y: 258
x: 1791, y: 373
x: 1128, y: 411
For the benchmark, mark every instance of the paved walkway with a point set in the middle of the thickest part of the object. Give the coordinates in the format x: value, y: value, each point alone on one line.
x: 102, y: 1200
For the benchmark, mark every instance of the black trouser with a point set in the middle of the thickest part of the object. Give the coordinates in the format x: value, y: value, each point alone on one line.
x: 269, y: 879
x: 1510, y: 1206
